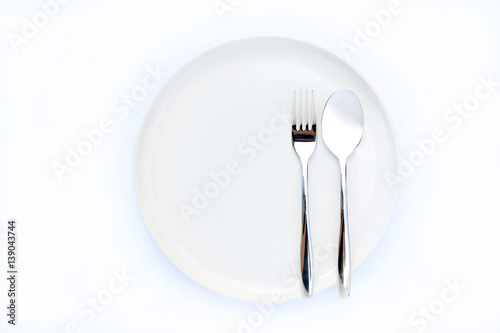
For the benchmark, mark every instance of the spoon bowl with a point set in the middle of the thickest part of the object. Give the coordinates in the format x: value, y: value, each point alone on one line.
x: 342, y: 124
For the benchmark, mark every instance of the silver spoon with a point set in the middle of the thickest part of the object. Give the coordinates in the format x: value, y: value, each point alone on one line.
x: 342, y: 129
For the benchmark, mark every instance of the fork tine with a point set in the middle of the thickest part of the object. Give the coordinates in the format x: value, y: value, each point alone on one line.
x: 304, y: 112
x: 294, y: 108
x: 299, y: 110
x: 312, y: 111
x: 300, y: 121
x: 308, y: 114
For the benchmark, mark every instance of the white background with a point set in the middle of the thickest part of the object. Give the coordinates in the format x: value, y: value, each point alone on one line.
x: 74, y: 233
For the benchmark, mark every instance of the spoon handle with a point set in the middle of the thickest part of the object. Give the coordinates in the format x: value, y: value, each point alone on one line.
x: 344, y: 261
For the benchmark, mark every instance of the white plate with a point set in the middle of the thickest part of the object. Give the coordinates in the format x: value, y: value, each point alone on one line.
x: 245, y: 242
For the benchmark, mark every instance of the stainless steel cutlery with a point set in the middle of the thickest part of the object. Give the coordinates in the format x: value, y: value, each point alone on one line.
x: 304, y: 142
x: 342, y: 129
x: 342, y: 126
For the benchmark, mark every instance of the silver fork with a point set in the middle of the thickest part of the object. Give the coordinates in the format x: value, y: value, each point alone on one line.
x: 304, y: 143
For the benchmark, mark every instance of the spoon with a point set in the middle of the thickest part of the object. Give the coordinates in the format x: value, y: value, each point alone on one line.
x: 342, y: 130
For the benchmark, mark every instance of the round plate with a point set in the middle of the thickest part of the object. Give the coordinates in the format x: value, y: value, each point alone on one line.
x: 218, y: 181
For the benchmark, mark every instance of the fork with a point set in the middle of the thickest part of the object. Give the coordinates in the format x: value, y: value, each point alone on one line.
x: 304, y: 143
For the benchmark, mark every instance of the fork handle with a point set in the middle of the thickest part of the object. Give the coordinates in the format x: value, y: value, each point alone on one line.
x: 306, y: 262
x: 344, y: 260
